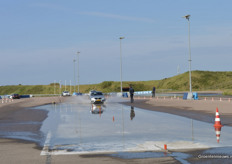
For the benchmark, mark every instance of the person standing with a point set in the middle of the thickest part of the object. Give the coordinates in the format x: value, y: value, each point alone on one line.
x: 153, y: 92
x: 131, y: 90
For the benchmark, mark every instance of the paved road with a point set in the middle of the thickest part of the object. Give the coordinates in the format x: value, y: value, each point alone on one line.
x: 18, y: 152
x: 77, y: 131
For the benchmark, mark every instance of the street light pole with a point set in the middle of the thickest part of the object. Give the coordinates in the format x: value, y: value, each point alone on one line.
x: 78, y: 70
x: 121, y: 62
x: 74, y: 75
x: 54, y: 87
x: 190, y: 80
x: 70, y: 87
x: 60, y: 88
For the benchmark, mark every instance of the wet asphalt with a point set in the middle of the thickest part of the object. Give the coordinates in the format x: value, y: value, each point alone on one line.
x: 78, y: 127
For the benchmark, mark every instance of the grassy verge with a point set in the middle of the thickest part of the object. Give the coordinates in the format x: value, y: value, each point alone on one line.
x: 201, y: 81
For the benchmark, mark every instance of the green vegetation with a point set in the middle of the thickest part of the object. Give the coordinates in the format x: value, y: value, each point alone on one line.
x: 201, y: 81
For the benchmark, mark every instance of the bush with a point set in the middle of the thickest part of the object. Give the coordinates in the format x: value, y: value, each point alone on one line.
x: 106, y: 84
x: 138, y: 87
x: 52, y: 84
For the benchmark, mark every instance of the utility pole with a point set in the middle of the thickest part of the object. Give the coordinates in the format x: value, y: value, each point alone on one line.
x: 190, y: 80
x: 121, y: 62
x: 78, y: 77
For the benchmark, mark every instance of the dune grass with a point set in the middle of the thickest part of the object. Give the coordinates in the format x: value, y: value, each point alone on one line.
x: 201, y: 81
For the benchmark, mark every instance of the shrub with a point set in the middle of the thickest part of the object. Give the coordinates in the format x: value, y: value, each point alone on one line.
x: 106, y: 84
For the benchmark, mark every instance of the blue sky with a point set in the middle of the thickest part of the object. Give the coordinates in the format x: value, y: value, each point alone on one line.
x: 39, y: 39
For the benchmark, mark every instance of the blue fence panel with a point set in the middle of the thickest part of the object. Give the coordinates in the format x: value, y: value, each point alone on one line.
x: 124, y: 94
x: 185, y: 96
x: 195, y: 95
x: 25, y: 96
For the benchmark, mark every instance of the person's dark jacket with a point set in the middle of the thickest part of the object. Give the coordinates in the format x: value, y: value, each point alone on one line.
x: 131, y: 90
x: 153, y: 90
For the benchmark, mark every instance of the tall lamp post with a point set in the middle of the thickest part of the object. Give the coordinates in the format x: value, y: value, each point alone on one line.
x: 60, y: 88
x: 78, y: 70
x: 74, y: 75
x: 190, y: 81
x: 121, y: 61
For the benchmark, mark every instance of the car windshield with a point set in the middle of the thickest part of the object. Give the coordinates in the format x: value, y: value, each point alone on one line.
x: 96, y: 93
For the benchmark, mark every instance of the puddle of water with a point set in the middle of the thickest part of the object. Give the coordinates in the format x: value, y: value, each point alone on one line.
x: 140, y: 155
x: 219, y: 150
x: 116, y: 128
x: 80, y: 127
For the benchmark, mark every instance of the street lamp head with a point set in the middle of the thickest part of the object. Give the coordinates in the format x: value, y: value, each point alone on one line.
x: 186, y: 17
x: 121, y: 37
x: 78, y: 52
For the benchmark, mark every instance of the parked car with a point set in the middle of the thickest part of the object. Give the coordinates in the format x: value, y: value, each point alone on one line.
x: 65, y: 93
x: 15, y: 96
x: 97, y: 97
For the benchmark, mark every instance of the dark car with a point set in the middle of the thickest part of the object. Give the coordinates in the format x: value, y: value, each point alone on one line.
x: 15, y: 96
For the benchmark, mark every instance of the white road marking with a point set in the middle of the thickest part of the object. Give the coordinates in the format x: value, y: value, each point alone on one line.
x: 45, y: 150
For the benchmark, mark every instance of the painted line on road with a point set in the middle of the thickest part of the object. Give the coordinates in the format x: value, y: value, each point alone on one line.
x: 46, y: 146
x: 45, y: 150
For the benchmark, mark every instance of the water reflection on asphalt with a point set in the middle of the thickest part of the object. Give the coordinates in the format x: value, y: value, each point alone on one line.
x: 77, y: 128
